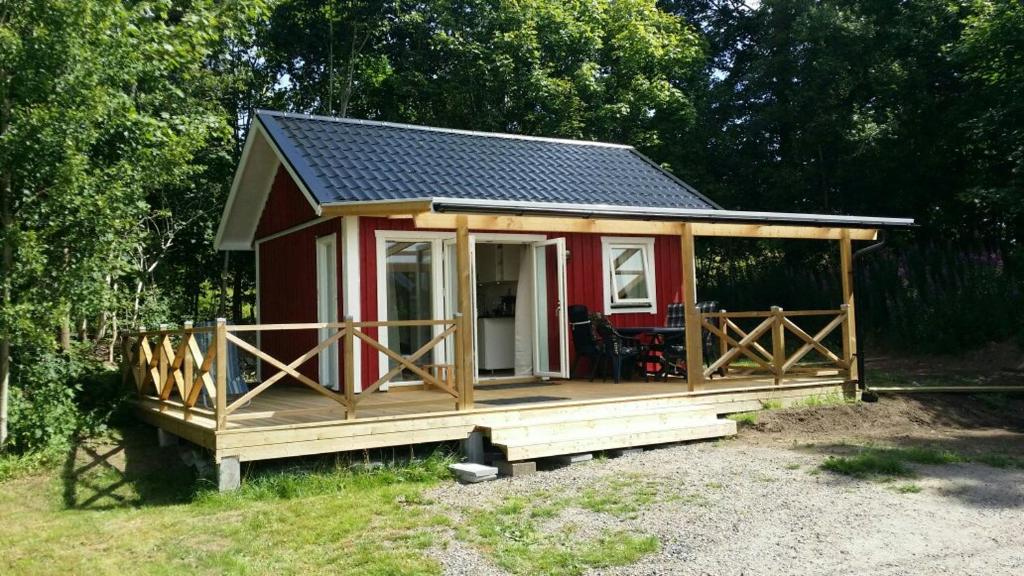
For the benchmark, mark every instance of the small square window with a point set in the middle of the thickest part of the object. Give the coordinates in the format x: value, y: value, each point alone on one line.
x: 628, y: 265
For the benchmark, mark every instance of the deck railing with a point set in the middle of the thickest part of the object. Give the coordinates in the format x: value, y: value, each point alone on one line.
x: 774, y: 324
x: 176, y: 367
x: 162, y: 362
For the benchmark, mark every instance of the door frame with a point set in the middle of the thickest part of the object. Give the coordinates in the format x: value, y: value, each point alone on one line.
x: 438, y: 240
x: 328, y: 360
x: 561, y: 309
x: 526, y: 240
x: 382, y: 237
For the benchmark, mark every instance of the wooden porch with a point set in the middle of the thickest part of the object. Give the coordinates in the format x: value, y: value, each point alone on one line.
x: 778, y: 356
x: 293, y: 421
x: 180, y: 392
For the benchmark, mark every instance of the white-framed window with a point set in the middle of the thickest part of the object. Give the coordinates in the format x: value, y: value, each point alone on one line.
x: 629, y: 280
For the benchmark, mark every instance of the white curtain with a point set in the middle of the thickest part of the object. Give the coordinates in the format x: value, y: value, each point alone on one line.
x: 524, y: 315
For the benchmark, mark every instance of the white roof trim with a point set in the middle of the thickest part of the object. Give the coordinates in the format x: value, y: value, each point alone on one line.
x: 661, y: 213
x: 250, y: 190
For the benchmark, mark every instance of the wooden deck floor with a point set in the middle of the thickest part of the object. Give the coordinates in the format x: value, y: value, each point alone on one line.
x: 290, y: 421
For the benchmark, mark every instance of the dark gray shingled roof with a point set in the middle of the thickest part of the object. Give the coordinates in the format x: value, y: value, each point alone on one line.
x: 345, y: 160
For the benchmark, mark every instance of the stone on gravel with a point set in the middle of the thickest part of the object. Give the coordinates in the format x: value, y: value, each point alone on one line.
x: 570, y: 459
x: 472, y: 473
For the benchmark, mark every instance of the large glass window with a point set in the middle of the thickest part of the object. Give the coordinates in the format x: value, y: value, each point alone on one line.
x: 629, y: 274
x: 409, y: 280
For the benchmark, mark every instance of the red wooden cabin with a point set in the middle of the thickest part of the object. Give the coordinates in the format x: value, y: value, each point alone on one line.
x: 440, y: 264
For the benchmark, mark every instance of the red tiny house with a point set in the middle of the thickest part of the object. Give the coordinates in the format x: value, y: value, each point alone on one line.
x: 394, y: 211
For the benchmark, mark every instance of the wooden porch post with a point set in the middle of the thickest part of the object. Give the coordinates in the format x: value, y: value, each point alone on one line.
x: 694, y: 353
x: 464, y: 352
x: 849, y: 324
x: 221, y: 384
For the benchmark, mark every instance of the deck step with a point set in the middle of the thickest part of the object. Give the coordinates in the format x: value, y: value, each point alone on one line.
x: 583, y: 424
x: 552, y: 439
x: 527, y: 414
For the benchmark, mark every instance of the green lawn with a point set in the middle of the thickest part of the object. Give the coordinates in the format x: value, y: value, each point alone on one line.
x: 108, y: 515
x: 124, y: 506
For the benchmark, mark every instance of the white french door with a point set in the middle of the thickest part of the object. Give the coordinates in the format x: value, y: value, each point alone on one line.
x: 327, y: 306
x: 550, y: 333
x: 451, y: 296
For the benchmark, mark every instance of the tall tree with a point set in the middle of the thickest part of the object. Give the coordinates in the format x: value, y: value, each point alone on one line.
x: 103, y: 113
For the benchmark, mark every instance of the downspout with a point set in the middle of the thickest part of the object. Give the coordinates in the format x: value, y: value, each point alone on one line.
x: 865, y: 395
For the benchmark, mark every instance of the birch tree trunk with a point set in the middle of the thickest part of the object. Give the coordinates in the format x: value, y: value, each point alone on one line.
x: 6, y: 267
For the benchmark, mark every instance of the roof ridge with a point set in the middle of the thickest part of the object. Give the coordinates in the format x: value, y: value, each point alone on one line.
x: 505, y: 135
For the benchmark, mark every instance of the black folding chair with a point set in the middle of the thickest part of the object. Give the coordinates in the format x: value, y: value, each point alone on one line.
x: 615, y: 347
x: 584, y: 342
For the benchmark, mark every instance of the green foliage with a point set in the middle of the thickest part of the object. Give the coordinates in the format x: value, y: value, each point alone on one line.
x: 60, y: 396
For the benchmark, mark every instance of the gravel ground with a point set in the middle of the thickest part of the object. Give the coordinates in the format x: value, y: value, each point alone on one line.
x: 739, y: 507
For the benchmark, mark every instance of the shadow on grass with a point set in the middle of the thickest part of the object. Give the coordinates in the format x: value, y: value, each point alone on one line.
x: 128, y: 469
x: 958, y: 467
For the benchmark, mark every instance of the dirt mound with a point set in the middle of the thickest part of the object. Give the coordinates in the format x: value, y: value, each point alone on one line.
x: 894, y: 418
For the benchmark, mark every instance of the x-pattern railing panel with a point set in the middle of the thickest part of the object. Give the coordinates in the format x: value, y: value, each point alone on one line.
x: 773, y: 324
x: 172, y: 361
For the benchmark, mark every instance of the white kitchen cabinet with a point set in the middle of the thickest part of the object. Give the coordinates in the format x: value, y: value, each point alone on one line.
x: 498, y: 262
x: 496, y: 343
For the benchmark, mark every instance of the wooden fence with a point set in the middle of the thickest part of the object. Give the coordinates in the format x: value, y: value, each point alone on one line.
x: 735, y: 341
x: 168, y: 361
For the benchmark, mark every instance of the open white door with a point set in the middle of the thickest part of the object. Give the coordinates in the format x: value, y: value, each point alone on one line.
x: 451, y: 297
x: 550, y: 338
x: 327, y: 306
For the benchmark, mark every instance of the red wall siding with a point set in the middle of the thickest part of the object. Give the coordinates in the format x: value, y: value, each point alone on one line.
x: 584, y: 282
x: 288, y: 293
x: 286, y: 206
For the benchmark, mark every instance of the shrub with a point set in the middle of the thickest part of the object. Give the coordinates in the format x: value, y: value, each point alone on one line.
x: 56, y: 396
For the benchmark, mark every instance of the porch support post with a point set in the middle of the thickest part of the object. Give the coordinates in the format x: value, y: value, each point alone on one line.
x: 849, y: 324
x: 221, y: 383
x: 464, y: 352
x: 694, y: 353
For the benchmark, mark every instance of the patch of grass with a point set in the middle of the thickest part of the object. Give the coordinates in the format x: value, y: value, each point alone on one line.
x: 18, y: 465
x: 771, y: 404
x: 318, y: 519
x: 511, y: 535
x: 909, y: 488
x: 998, y: 460
x: 792, y: 466
x: 866, y: 464
x: 744, y: 418
x: 883, y: 462
x: 819, y: 400
x: 621, y: 497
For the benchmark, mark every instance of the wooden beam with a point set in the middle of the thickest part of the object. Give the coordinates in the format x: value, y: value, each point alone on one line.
x: 464, y: 362
x: 491, y: 223
x: 780, y: 231
x: 397, y: 208
x: 692, y: 319
x: 778, y: 344
x: 221, y: 384
x: 850, y: 325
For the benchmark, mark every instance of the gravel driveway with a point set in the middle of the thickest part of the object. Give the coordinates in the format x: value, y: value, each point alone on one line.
x: 741, y: 507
